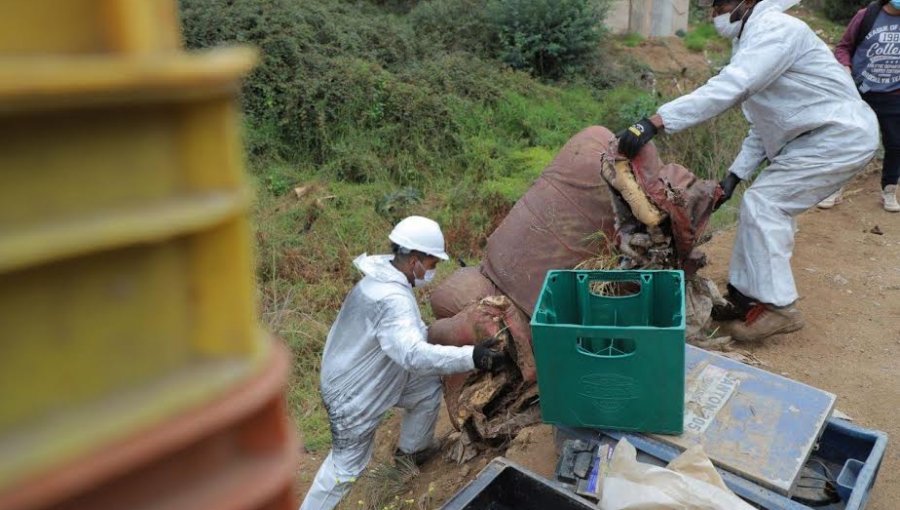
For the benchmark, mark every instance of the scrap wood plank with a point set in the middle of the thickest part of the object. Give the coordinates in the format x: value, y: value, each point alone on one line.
x: 754, y: 423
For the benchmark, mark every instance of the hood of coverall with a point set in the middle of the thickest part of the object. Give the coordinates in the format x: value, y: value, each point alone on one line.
x: 380, y: 268
x: 772, y: 5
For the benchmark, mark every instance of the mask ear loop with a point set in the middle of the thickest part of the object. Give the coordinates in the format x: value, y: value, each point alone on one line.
x: 419, y: 263
x: 744, y: 19
x: 735, y: 11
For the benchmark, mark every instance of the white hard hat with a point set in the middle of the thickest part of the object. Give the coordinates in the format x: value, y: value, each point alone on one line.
x: 420, y: 234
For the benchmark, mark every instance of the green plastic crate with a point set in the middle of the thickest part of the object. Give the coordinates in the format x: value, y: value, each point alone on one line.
x: 611, y: 361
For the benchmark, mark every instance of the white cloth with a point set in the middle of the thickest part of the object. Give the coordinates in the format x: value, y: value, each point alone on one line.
x: 377, y: 357
x: 807, y: 120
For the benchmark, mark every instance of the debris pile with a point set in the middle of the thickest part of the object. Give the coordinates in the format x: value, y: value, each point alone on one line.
x: 586, y: 205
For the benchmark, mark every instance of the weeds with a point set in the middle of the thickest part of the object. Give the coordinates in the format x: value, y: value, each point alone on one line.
x: 631, y: 39
x: 708, y: 149
x: 382, y: 484
x: 701, y: 36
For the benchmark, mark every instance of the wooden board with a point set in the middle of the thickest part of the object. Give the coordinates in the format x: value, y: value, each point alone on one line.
x: 756, y: 424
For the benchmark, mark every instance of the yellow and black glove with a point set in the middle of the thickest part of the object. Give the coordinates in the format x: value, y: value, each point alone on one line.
x: 636, y: 137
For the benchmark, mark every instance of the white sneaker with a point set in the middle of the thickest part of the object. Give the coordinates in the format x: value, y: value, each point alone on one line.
x: 834, y: 199
x: 889, y: 199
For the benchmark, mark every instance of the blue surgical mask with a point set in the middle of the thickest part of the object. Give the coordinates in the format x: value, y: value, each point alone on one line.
x: 895, y: 4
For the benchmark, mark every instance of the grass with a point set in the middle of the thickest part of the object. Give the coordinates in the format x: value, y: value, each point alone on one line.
x: 700, y: 36
x: 631, y: 39
x: 381, y: 486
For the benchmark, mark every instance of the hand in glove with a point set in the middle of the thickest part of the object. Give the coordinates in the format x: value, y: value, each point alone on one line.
x: 635, y: 137
x: 727, y: 184
x: 486, y: 358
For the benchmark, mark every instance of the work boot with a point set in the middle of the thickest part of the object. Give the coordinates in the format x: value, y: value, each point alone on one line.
x: 889, y: 199
x: 735, y: 307
x: 418, y: 458
x: 834, y: 199
x: 763, y: 321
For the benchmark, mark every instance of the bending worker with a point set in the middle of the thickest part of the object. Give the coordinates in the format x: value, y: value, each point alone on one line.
x: 807, y: 120
x: 377, y: 357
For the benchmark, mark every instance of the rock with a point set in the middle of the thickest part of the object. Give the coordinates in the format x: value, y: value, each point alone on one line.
x: 840, y: 280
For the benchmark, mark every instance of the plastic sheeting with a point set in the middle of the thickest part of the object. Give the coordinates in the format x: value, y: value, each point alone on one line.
x: 689, y: 482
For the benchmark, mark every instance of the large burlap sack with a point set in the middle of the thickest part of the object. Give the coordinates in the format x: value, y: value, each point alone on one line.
x: 687, y: 200
x: 551, y: 226
x: 465, y: 286
x: 490, y: 317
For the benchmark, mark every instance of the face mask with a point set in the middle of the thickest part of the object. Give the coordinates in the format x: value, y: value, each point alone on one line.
x: 426, y: 278
x: 725, y: 27
x: 895, y: 4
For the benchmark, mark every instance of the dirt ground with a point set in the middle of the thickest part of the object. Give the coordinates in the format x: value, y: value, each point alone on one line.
x: 849, y: 280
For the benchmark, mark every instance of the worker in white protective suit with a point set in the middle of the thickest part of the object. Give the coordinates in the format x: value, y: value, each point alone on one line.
x: 377, y: 357
x: 807, y: 120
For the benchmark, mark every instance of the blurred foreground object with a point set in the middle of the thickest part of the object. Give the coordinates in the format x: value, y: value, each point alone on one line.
x: 132, y: 370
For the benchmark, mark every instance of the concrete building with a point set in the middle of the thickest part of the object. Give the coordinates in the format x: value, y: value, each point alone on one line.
x: 649, y: 18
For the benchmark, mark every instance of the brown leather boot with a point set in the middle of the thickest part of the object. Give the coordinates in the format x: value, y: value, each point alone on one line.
x: 763, y: 321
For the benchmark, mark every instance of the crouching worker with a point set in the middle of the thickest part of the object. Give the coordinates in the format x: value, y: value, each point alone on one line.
x: 377, y: 357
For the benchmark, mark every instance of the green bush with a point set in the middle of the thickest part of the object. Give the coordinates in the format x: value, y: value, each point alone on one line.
x: 547, y: 37
x: 457, y: 25
x: 842, y: 10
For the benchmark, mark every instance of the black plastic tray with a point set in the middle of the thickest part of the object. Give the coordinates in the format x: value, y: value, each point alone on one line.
x: 504, y: 485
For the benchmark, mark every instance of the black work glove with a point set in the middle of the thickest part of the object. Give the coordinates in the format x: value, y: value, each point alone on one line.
x: 486, y: 358
x: 635, y: 137
x: 727, y: 184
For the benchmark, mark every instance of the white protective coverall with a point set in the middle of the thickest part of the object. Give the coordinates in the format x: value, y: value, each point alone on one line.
x: 807, y: 120
x: 377, y: 357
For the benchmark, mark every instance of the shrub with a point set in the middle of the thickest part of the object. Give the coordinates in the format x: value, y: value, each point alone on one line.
x: 842, y: 10
x: 547, y: 37
x: 456, y: 25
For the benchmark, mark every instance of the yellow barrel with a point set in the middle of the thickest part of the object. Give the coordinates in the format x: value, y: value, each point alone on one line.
x: 126, y: 268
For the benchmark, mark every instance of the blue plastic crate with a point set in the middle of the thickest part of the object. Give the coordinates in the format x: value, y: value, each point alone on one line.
x: 840, y: 443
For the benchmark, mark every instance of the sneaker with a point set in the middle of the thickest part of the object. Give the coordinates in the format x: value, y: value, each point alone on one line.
x: 834, y: 199
x: 763, y: 321
x: 889, y: 199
